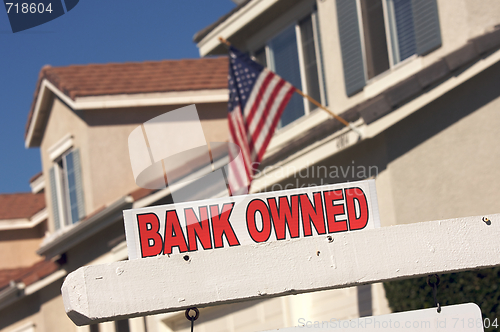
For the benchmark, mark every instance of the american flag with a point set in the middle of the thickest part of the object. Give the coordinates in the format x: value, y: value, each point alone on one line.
x: 257, y: 98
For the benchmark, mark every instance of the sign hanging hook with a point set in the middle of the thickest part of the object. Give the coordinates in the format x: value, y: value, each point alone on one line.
x: 192, y: 318
x: 434, y: 286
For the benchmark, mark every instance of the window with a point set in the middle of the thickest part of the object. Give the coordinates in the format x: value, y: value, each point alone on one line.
x: 375, y: 35
x: 295, y: 55
x: 66, y: 189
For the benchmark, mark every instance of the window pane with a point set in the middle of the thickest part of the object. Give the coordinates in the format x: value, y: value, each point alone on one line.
x: 122, y: 326
x: 71, y: 185
x: 260, y: 56
x: 403, y: 35
x: 285, y: 56
x: 377, y: 58
x: 310, y: 60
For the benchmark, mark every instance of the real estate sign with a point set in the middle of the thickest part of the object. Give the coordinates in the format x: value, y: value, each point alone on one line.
x: 257, y: 218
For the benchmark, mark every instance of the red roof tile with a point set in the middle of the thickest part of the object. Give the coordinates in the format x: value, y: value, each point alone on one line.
x: 135, y: 77
x: 141, y: 77
x: 27, y: 275
x: 21, y: 205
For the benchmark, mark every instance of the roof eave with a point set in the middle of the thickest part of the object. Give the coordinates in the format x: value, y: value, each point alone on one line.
x: 59, y: 243
x: 48, y: 90
x: 210, y: 43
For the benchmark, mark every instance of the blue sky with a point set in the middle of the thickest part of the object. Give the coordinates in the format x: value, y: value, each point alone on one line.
x: 95, y: 31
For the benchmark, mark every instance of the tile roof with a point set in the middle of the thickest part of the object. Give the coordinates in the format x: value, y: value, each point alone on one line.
x: 27, y: 275
x: 134, y: 77
x: 139, y: 77
x: 20, y: 205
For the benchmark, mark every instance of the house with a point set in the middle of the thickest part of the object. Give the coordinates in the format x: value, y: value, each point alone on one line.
x: 419, y: 79
x: 81, y: 118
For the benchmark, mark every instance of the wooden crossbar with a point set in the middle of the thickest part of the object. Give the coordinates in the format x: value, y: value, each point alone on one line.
x: 171, y: 283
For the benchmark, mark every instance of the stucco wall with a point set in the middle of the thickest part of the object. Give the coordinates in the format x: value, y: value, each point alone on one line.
x: 444, y: 159
x: 441, y: 162
x: 109, y: 162
x: 102, y: 136
x: 18, y: 247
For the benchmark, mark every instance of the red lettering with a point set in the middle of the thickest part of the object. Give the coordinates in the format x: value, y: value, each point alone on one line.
x: 353, y: 195
x: 198, y: 229
x: 151, y: 242
x: 283, y: 216
x: 253, y: 207
x: 174, y: 237
x: 312, y: 214
x: 333, y: 210
x: 221, y: 225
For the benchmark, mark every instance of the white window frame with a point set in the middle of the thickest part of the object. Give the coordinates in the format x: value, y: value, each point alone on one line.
x: 57, y: 154
x: 295, y: 22
x: 63, y: 199
x: 389, y: 31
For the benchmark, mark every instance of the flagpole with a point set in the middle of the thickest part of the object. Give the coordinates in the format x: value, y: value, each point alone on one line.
x: 314, y: 101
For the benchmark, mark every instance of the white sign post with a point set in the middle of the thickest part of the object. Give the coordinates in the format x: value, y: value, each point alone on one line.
x: 167, y: 283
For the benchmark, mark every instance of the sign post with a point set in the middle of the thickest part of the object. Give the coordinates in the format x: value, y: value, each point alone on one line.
x: 201, y: 278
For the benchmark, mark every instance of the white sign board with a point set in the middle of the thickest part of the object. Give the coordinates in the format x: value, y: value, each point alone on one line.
x: 167, y: 283
x: 457, y: 318
x: 249, y: 219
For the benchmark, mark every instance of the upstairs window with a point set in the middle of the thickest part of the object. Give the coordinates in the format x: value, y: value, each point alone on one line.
x: 376, y: 35
x: 295, y: 55
x: 66, y: 189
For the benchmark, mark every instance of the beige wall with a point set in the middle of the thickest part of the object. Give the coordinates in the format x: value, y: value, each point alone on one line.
x: 18, y: 247
x: 110, y: 167
x: 444, y: 159
x: 44, y: 309
x: 439, y: 163
x: 102, y: 136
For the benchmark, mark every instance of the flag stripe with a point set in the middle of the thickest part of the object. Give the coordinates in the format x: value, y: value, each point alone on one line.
x: 257, y: 93
x: 262, y: 104
x: 257, y: 99
x: 265, y: 115
x: 281, y: 108
x: 239, y: 140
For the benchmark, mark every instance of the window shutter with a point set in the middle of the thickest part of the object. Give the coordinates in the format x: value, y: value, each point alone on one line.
x: 426, y: 20
x: 350, y: 44
x: 405, y: 28
x: 78, y: 183
x: 53, y: 198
